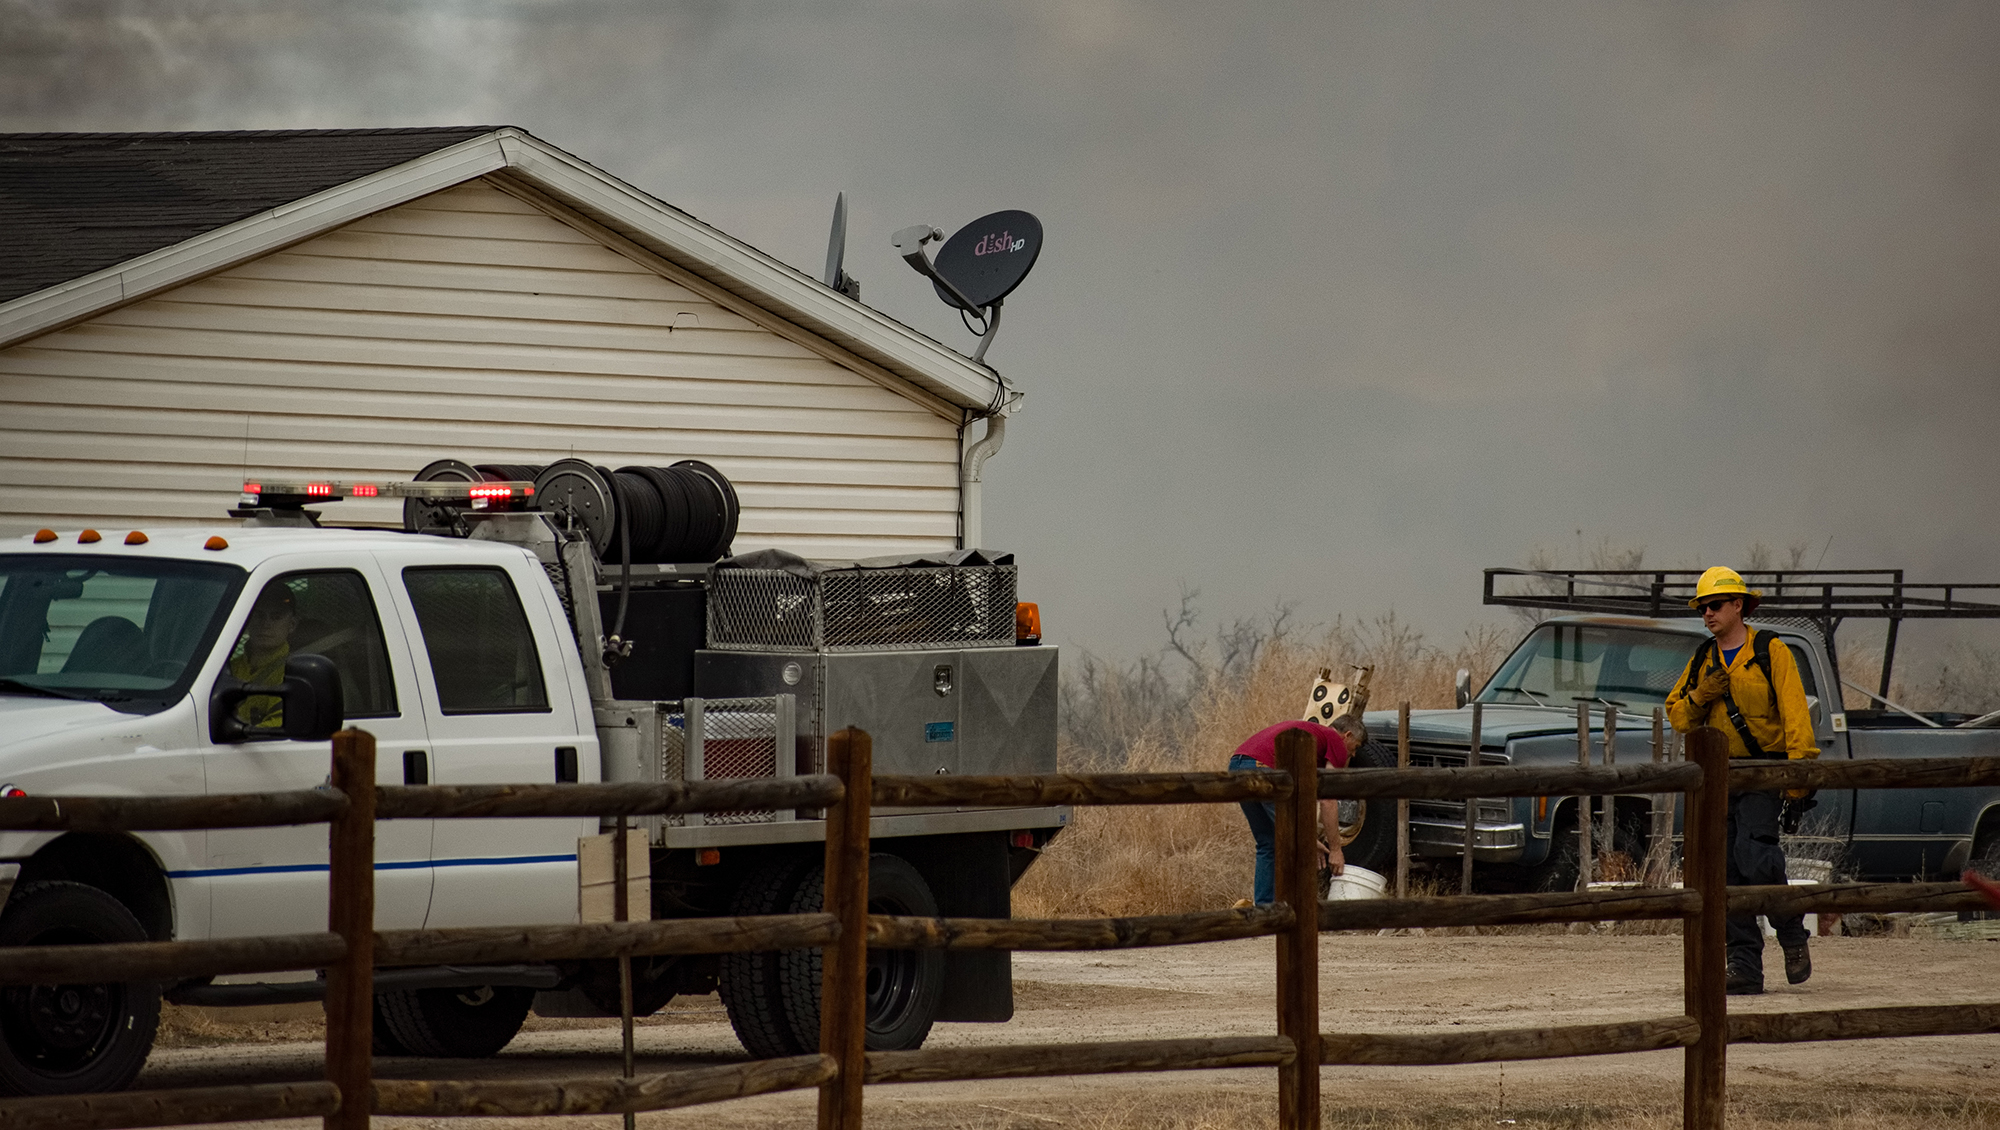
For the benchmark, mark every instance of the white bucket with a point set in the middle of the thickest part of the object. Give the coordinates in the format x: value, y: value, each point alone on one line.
x: 1357, y: 883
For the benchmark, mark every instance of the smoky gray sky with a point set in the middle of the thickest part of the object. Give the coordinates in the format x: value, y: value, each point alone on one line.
x: 1340, y: 302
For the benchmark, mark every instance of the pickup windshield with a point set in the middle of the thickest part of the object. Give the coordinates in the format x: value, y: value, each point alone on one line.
x: 128, y: 633
x: 1564, y: 664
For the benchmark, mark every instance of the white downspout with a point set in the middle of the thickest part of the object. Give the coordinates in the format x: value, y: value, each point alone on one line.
x: 972, y: 515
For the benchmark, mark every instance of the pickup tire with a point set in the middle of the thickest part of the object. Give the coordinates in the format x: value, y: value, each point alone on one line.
x: 455, y: 1023
x: 72, y: 1039
x: 905, y: 987
x: 749, y: 982
x: 1369, y: 835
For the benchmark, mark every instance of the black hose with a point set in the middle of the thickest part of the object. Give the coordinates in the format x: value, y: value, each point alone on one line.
x: 614, y: 647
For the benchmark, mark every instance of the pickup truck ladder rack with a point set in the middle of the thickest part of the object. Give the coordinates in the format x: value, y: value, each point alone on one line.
x: 1824, y: 597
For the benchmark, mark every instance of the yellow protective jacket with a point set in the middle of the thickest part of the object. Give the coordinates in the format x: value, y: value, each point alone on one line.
x: 1781, y: 722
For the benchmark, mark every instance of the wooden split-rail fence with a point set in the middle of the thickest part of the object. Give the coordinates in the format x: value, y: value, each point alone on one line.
x: 350, y: 950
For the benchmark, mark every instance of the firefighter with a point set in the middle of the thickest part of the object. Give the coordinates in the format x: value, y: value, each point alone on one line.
x: 260, y: 653
x: 1745, y: 683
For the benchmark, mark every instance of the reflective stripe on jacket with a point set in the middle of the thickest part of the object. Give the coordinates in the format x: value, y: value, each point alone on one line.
x: 1791, y: 735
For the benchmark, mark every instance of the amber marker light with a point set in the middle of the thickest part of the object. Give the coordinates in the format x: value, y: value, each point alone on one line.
x: 707, y: 857
x: 135, y: 538
x: 44, y: 537
x: 1027, y: 624
x: 89, y: 537
x: 215, y: 542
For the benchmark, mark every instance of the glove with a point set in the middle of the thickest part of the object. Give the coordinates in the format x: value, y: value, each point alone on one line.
x: 1795, y: 810
x: 1714, y: 684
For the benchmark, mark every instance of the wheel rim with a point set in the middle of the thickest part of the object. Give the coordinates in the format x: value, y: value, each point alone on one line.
x: 61, y: 1029
x: 1353, y: 817
x: 893, y: 977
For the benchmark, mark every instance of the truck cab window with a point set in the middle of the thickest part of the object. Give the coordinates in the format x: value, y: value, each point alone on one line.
x: 128, y: 633
x: 326, y: 613
x: 1563, y: 663
x: 483, y: 657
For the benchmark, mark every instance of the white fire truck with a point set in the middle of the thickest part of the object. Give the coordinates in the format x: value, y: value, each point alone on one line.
x: 528, y: 625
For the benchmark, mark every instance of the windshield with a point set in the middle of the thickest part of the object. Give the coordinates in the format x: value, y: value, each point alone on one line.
x: 1564, y: 664
x: 128, y: 633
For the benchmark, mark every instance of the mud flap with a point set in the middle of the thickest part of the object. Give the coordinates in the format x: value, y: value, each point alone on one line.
x: 968, y: 873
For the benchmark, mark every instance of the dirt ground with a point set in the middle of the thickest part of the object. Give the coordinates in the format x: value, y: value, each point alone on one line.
x: 1368, y: 984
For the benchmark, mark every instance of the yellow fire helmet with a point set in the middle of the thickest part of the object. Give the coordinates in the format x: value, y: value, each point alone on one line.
x: 1721, y: 580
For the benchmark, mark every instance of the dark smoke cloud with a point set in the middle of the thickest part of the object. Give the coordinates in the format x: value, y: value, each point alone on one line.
x: 1342, y: 302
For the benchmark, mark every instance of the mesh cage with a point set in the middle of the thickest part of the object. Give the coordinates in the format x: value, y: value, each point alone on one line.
x: 717, y: 738
x: 862, y: 609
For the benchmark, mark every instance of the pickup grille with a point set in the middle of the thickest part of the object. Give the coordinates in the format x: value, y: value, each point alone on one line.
x: 1431, y: 755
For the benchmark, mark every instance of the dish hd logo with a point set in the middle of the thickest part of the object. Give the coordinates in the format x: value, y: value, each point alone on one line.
x: 998, y: 244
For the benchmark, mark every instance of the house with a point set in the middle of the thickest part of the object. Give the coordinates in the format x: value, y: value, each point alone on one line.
x: 178, y: 310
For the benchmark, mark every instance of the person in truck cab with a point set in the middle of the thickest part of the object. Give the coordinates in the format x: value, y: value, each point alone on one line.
x: 1745, y: 683
x: 260, y: 654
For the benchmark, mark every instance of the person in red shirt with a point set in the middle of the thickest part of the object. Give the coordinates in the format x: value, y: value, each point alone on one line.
x: 1260, y: 753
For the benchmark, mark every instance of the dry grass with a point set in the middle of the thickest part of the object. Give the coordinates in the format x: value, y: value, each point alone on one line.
x: 1179, y: 858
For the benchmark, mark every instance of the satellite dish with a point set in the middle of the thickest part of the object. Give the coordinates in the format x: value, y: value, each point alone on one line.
x: 989, y: 257
x: 977, y: 268
x: 836, y: 252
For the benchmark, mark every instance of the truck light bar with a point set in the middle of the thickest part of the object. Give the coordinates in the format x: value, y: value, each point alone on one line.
x: 267, y: 493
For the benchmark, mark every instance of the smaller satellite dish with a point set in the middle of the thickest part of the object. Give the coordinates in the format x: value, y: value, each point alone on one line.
x: 836, y: 252
x: 989, y: 257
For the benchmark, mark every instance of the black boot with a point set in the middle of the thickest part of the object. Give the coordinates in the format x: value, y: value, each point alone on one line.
x: 1742, y: 983
x: 1798, y: 963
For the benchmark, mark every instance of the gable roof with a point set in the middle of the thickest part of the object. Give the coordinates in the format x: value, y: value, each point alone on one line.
x: 75, y: 203
x: 89, y: 222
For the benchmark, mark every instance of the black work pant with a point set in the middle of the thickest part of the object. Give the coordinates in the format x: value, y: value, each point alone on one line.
x: 1756, y: 859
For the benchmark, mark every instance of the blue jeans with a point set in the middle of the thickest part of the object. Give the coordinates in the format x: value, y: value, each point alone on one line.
x: 1263, y: 817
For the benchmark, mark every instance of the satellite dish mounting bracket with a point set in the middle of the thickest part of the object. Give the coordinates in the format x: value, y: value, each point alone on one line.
x: 909, y: 244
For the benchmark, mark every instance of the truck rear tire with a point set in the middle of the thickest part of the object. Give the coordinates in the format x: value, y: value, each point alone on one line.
x: 455, y: 1023
x: 1371, y: 832
x: 72, y: 1039
x: 905, y: 987
x: 749, y: 982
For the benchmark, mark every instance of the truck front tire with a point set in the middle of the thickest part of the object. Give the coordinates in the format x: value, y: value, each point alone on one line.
x: 454, y: 1023
x: 72, y: 1039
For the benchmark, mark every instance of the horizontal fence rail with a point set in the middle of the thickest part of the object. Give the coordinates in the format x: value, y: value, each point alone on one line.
x: 169, y: 813
x: 1492, y: 1045
x: 474, y: 802
x: 1076, y: 933
x: 1913, y: 773
x: 179, y: 1107
x: 529, y: 1098
x: 1020, y: 1061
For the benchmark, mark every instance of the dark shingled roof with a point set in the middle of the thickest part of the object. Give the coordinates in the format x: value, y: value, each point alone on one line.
x: 73, y: 203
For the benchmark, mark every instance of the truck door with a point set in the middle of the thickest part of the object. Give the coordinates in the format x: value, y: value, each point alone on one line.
x: 273, y: 880
x: 1824, y: 832
x: 497, y: 699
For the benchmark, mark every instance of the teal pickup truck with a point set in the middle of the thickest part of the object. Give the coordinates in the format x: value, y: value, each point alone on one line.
x: 1620, y: 644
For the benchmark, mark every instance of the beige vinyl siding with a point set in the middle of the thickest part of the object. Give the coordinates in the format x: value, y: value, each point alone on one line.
x: 469, y: 324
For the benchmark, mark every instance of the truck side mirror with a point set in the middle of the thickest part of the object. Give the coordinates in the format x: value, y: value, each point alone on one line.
x: 310, y: 696
x: 1462, y: 686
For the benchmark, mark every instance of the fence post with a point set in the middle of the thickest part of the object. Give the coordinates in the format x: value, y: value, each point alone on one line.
x: 350, y: 912
x: 1704, y: 868
x: 843, y: 1002
x: 1607, y: 840
x: 1472, y: 761
x: 1403, y: 805
x: 1298, y: 946
x: 621, y: 910
x: 1584, y: 851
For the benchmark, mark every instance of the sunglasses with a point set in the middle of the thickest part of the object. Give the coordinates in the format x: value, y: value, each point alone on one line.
x: 1716, y: 605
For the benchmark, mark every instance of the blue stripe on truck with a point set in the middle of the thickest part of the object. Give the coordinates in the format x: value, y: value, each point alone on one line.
x: 287, y: 869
